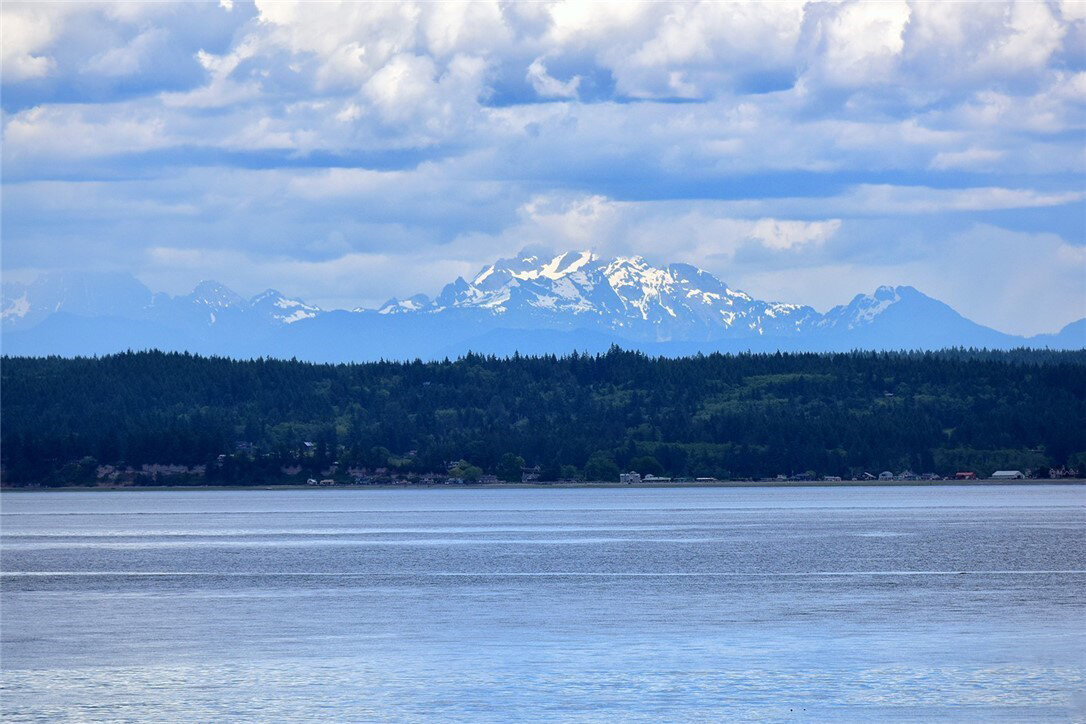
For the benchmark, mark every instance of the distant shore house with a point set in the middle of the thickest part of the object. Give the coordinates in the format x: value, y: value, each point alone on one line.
x: 488, y: 479
x: 630, y: 478
x: 529, y: 474
x: 886, y: 475
x: 655, y: 479
x: 965, y: 475
x: 705, y: 480
x: 1008, y: 475
x: 831, y: 478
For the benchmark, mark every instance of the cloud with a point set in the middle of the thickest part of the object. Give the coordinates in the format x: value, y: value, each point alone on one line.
x: 757, y: 139
x: 549, y: 87
x: 26, y: 33
x: 969, y: 158
x: 701, y: 233
x: 82, y: 131
x: 858, y: 43
x: 780, y: 234
x: 129, y: 58
x: 886, y: 199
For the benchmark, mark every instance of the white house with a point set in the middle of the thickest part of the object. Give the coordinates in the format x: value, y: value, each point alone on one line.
x: 630, y: 478
x: 1008, y: 475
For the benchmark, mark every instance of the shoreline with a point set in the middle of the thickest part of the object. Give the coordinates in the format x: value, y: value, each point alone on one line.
x: 566, y: 486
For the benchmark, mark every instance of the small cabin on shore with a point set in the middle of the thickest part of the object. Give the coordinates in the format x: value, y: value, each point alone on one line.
x: 1008, y: 475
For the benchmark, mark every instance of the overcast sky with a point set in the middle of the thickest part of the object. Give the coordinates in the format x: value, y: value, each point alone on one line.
x: 346, y: 153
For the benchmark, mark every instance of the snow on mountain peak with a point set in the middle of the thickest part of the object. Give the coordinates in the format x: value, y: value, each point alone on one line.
x: 864, y: 308
x: 282, y: 308
x: 402, y: 306
x: 527, y: 267
x: 16, y: 307
x: 579, y: 288
x: 213, y: 294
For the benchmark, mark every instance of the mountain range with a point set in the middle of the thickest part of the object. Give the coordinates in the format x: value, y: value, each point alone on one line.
x: 528, y: 304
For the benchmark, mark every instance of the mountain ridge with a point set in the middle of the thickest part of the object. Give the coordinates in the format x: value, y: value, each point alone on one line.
x: 529, y: 303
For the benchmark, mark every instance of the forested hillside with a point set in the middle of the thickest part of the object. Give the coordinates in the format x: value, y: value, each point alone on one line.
x: 267, y: 421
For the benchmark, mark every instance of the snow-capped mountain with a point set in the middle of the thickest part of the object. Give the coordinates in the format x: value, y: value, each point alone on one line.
x: 531, y: 304
x: 273, y: 305
x: 863, y: 309
x: 625, y: 295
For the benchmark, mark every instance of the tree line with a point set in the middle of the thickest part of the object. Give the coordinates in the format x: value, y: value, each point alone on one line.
x: 724, y: 416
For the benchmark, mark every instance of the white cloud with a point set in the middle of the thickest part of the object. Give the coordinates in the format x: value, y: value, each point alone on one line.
x: 401, y: 86
x: 889, y: 200
x: 129, y: 58
x: 667, y: 231
x: 474, y: 27
x: 860, y: 43
x: 956, y: 42
x: 549, y: 87
x: 781, y: 234
x: 76, y: 131
x: 26, y: 31
x: 969, y: 158
x: 350, y: 41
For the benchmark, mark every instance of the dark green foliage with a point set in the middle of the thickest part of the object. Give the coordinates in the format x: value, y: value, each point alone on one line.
x: 646, y: 465
x: 509, y: 468
x: 601, y: 466
x: 585, y: 416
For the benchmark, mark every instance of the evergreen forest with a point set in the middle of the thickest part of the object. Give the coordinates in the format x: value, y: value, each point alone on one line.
x: 268, y: 421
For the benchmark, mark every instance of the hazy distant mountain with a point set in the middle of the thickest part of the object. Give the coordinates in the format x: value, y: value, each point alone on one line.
x: 88, y: 295
x: 527, y: 304
x: 122, y: 295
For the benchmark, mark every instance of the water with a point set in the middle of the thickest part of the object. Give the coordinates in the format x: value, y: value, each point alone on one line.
x: 575, y: 604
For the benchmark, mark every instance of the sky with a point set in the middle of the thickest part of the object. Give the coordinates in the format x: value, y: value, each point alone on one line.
x: 347, y: 153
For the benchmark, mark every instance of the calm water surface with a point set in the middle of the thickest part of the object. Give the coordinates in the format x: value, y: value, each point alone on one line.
x: 575, y: 604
